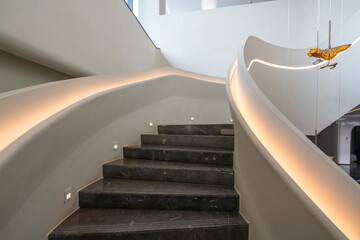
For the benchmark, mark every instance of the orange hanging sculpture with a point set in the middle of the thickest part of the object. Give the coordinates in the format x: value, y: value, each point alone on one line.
x: 327, y: 54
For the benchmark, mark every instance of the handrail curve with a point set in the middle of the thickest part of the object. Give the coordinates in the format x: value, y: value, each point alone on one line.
x: 280, y: 66
x: 328, y: 195
x: 65, y: 93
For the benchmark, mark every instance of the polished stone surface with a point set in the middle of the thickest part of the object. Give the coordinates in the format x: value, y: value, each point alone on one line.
x: 226, y: 142
x: 180, y: 154
x: 169, y: 171
x: 202, y: 129
x: 121, y: 224
x: 171, y: 187
x: 140, y: 194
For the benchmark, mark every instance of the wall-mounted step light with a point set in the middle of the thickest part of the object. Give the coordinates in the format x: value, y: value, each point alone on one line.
x: 115, y: 146
x: 67, y: 195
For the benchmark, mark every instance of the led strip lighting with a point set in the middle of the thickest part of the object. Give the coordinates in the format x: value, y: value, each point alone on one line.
x: 343, y: 219
x: 255, y: 60
x: 345, y: 222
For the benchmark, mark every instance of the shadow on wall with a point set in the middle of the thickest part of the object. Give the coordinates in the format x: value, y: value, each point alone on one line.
x: 17, y: 72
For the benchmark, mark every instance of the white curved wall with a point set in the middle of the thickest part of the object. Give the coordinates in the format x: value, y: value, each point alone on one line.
x: 16, y: 72
x: 80, y: 38
x: 311, y: 99
x: 175, y: 6
x: 206, y: 41
x: 67, y: 148
x: 294, y: 191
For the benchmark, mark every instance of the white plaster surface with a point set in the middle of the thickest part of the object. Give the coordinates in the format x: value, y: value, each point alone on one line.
x: 79, y: 38
x: 16, y: 72
x: 67, y: 148
x: 290, y: 176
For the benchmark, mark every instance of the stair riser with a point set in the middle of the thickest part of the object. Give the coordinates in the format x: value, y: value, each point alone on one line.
x: 226, y: 142
x: 147, y: 201
x: 193, y: 129
x: 180, y: 156
x: 169, y: 175
x: 215, y: 233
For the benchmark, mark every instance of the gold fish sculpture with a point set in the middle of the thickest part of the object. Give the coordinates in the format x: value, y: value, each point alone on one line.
x: 327, y: 54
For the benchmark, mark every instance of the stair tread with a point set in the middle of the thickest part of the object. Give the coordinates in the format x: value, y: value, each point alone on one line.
x: 106, y: 221
x: 197, y: 125
x: 193, y: 135
x: 189, y: 136
x: 177, y: 185
x: 180, y: 148
x: 198, y: 129
x: 133, y: 162
x: 212, y: 141
x: 140, y: 187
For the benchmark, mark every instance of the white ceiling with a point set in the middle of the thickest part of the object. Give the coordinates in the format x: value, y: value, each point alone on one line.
x: 177, y: 6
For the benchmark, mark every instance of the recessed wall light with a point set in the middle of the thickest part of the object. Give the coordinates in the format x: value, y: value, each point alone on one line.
x: 115, y: 146
x: 67, y: 195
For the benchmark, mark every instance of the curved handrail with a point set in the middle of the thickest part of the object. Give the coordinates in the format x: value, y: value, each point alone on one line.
x: 318, y: 183
x: 16, y: 121
x: 312, y: 99
x: 69, y: 131
x: 298, y: 67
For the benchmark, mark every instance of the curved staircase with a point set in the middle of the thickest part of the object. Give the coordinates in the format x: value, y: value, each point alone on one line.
x: 175, y: 185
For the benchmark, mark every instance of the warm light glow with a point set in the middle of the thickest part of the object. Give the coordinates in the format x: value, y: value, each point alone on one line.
x: 208, y: 4
x: 354, y: 110
x: 68, y: 196
x: 297, y: 68
x: 265, y: 124
x: 283, y: 66
x: 24, y: 110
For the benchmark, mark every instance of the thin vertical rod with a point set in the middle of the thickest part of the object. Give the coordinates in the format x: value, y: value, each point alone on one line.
x: 317, y: 39
x: 318, y: 16
x: 317, y: 76
x: 341, y: 72
x: 288, y: 57
x: 329, y: 34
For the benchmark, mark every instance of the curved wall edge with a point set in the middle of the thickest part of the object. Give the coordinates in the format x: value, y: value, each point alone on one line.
x: 311, y: 98
x: 25, y: 108
x: 67, y: 148
x: 70, y: 37
x: 13, y: 45
x: 297, y: 171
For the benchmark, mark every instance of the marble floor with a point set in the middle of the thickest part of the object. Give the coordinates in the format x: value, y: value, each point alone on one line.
x: 353, y: 170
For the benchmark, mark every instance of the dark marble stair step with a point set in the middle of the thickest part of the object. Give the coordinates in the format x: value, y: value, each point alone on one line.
x: 140, y: 194
x: 169, y: 171
x: 180, y: 154
x: 226, y: 142
x: 133, y: 224
x: 200, y: 129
